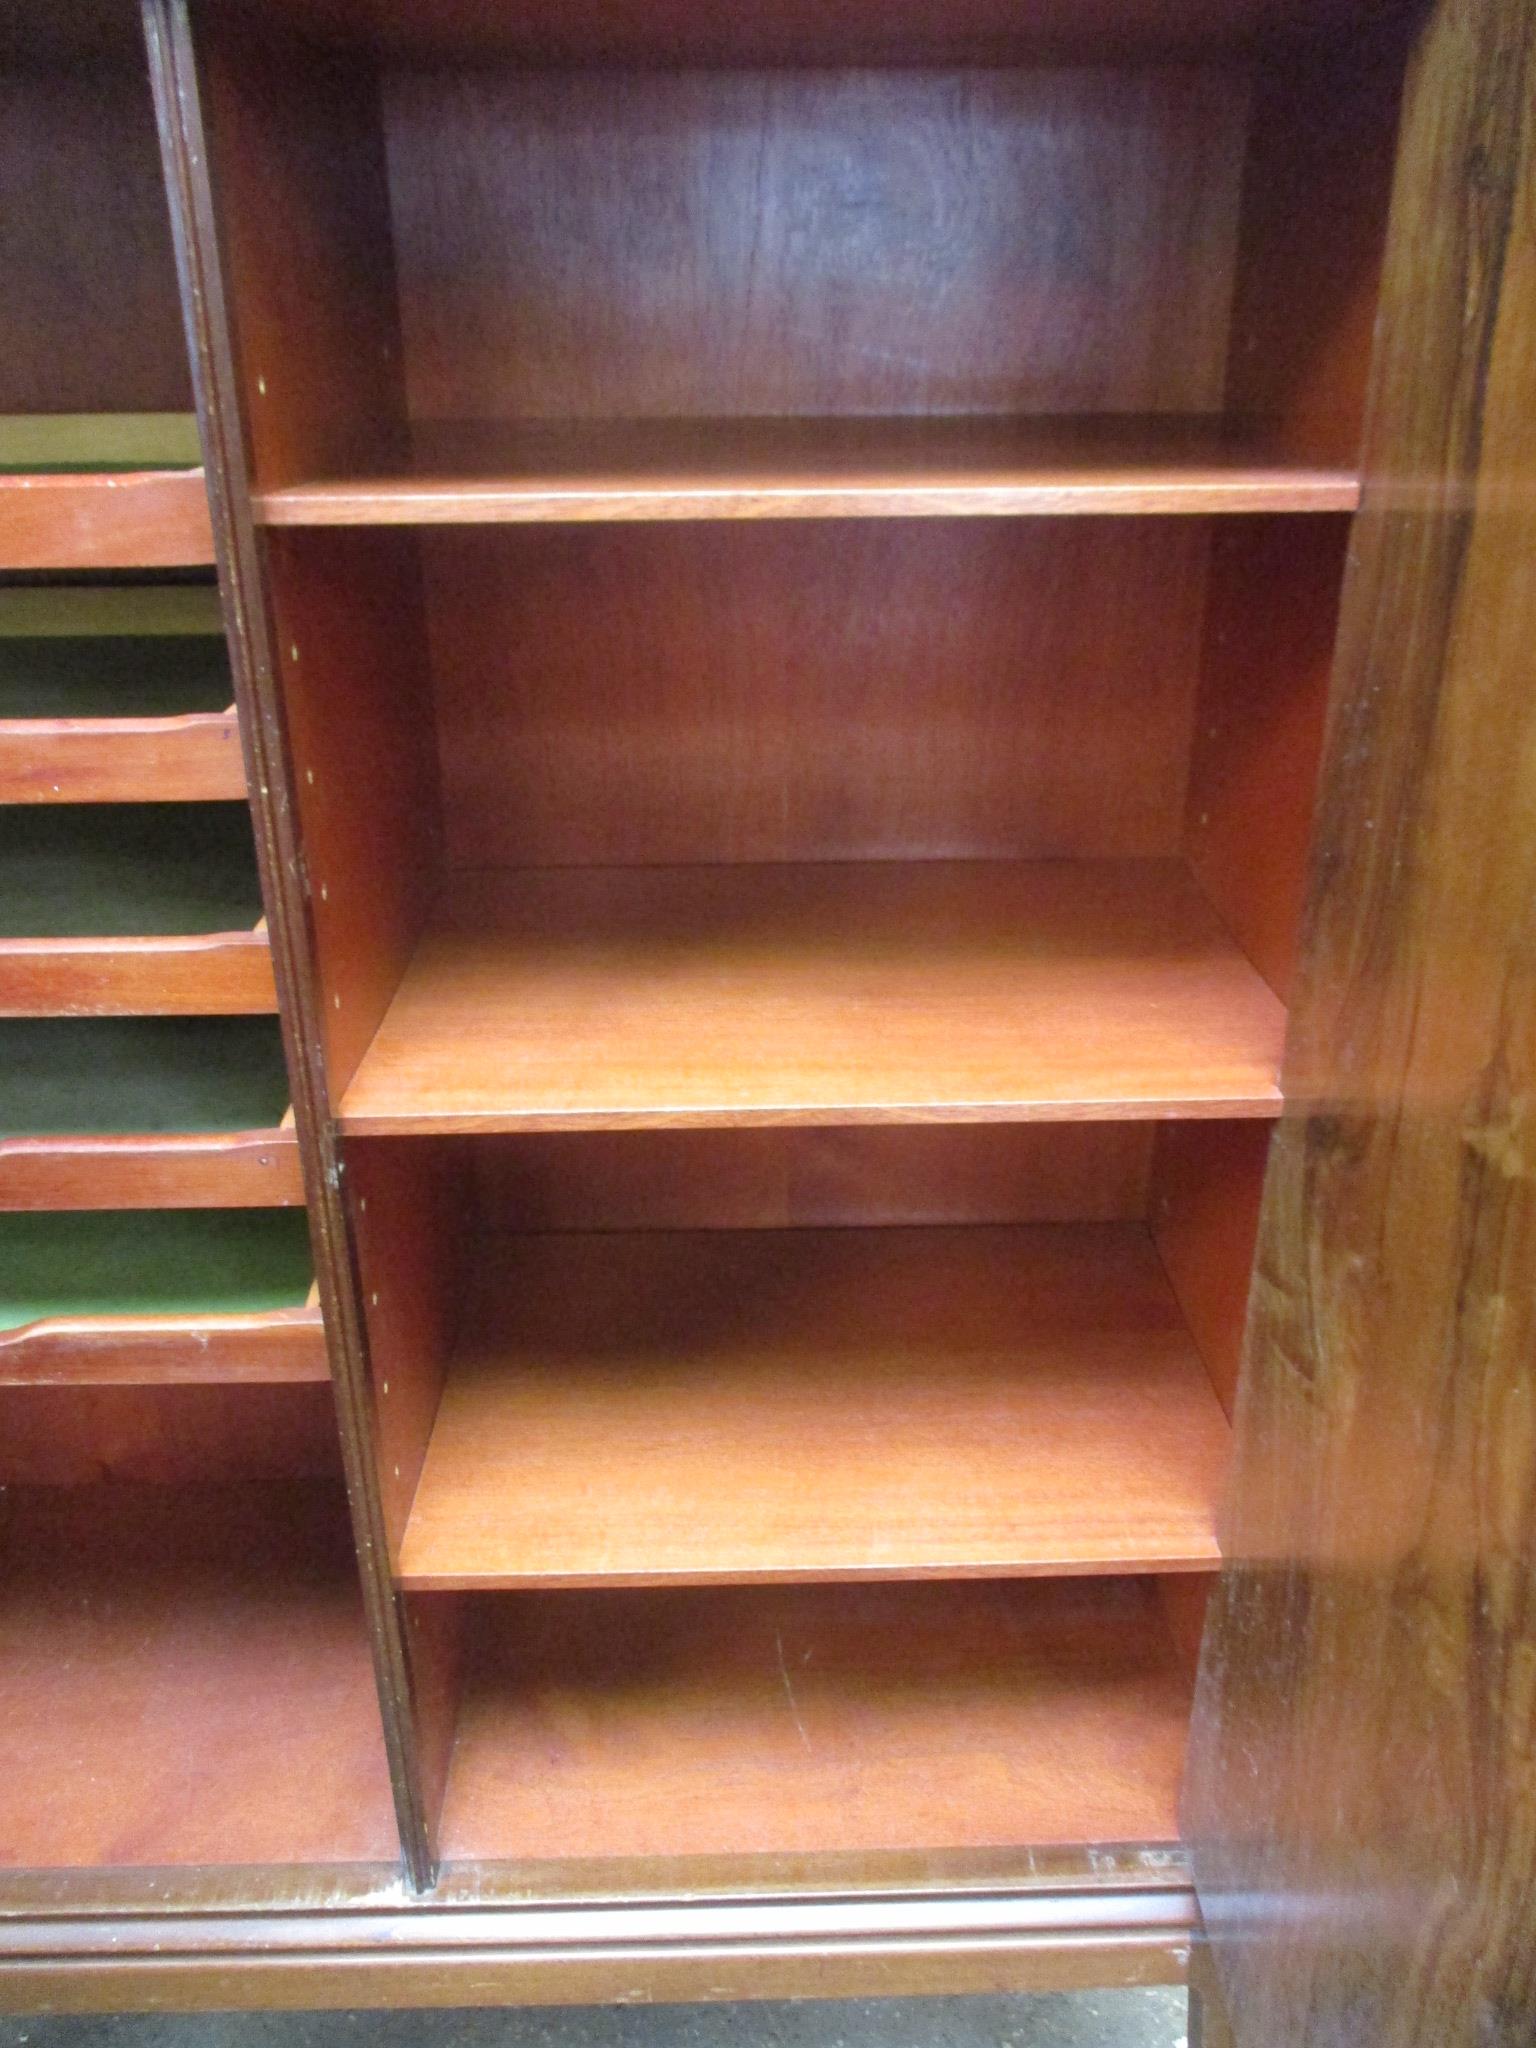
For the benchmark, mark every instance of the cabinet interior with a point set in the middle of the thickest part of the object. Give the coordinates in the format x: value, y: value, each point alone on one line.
x: 802, y: 554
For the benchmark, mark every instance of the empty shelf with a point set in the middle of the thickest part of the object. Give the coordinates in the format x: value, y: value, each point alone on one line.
x: 821, y: 469
x: 677, y: 1406
x: 149, y: 1296
x: 185, y: 1679
x: 790, y: 1720
x: 144, y: 1112
x: 874, y: 993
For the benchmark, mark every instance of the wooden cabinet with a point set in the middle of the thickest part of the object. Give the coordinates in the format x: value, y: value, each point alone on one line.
x: 884, y: 659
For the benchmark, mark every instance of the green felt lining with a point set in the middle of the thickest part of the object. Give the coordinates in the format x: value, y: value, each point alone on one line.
x: 93, y: 1262
x: 106, y: 1076
x: 113, y: 677
x: 126, y: 870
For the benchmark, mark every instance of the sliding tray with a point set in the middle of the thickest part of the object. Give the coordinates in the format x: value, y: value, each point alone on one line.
x: 157, y: 1296
x: 131, y: 910
x: 145, y: 1113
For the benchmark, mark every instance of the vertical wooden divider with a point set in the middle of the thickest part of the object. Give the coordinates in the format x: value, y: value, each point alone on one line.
x: 201, y: 264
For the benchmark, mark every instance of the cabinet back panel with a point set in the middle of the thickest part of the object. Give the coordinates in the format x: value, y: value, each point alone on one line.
x: 89, y: 316
x: 806, y: 1179
x: 882, y: 689
x: 604, y: 244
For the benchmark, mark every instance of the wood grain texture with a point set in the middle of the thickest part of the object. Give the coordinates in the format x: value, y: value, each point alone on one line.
x: 878, y: 690
x: 681, y: 1407
x: 1272, y: 604
x: 300, y: 209
x: 923, y: 993
x: 219, y: 974
x: 166, y: 1435
x: 222, y: 1628
x: 90, y: 319
x: 194, y: 757
x: 141, y: 519
x: 346, y: 612
x: 640, y: 32
x: 272, y: 1345
x: 257, y: 267
x: 1073, y: 1919
x: 578, y: 245
x: 809, y: 1718
x: 1205, y: 1188
x: 557, y: 472
x: 153, y: 1170
x: 1360, y: 1794
x: 826, y: 1176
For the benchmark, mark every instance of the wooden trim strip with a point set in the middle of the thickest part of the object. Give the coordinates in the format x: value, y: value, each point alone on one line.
x: 215, y: 974
x: 271, y: 1345
x: 429, y: 1954
x: 179, y: 1170
x: 193, y: 758
x: 143, y: 519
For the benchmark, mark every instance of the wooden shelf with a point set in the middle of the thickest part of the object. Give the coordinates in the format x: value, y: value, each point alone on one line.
x: 134, y: 909
x: 102, y: 491
x: 185, y: 1679
x: 150, y: 1297
x: 145, y: 1112
x: 820, y: 469
x: 787, y: 1720
x: 584, y: 999
x: 744, y: 1406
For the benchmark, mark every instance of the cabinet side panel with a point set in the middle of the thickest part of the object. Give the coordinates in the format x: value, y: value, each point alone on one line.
x: 1360, y: 1799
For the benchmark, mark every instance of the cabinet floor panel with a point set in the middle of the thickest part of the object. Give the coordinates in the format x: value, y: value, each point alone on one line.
x: 822, y: 468
x: 785, y: 1720
x: 756, y: 1405
x: 185, y: 1678
x: 881, y: 992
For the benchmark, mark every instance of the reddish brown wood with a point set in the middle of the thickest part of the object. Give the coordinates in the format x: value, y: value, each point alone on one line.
x: 767, y: 1179
x: 90, y: 320
x: 923, y: 993
x: 1271, y: 613
x: 817, y: 469
x: 849, y: 31
x: 166, y: 1435
x: 346, y: 613
x: 810, y: 1718
x: 1207, y: 1182
x: 747, y: 1406
x: 181, y: 1170
x: 1361, y: 1794
x: 143, y: 519
x: 877, y: 689
x: 219, y: 974
x: 192, y: 758
x: 677, y: 243
x: 286, y: 1344
x: 184, y: 1678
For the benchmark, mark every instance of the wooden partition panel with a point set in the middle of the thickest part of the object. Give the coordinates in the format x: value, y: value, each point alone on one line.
x: 339, y: 373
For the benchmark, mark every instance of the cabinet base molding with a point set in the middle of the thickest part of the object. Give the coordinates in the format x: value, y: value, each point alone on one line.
x: 355, y: 1939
